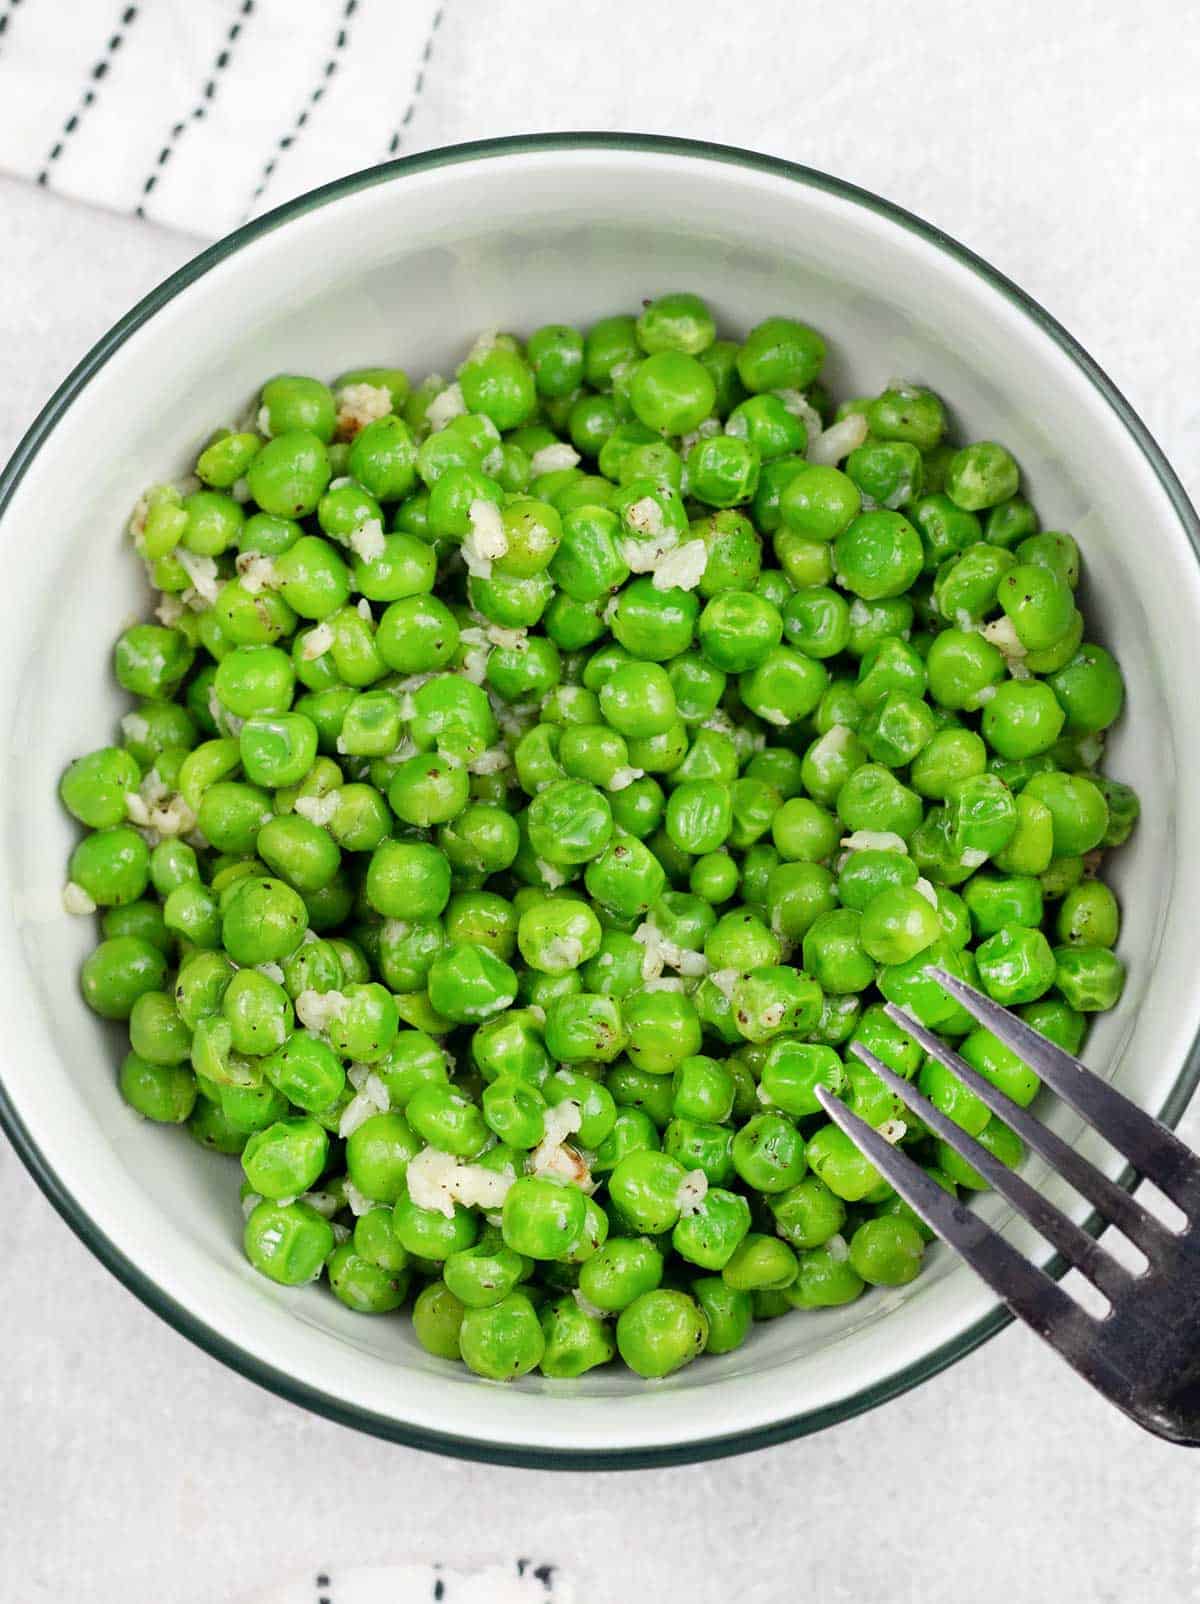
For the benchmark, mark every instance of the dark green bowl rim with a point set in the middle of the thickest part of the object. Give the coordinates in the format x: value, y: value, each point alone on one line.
x: 182, y: 1319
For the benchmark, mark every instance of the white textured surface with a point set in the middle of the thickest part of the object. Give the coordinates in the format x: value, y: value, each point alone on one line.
x: 202, y: 113
x: 133, y: 1466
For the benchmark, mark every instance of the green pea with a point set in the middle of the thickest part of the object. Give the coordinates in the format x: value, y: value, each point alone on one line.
x: 375, y: 1241
x: 711, y: 1233
x: 1002, y: 1143
x: 784, y: 687
x: 670, y: 391
x: 906, y: 412
x: 286, y: 1158
x: 118, y: 972
x: 111, y: 866
x: 447, y: 1120
x: 312, y: 578
x: 362, y: 1286
x: 584, y: 1027
x: 437, y: 1321
x: 259, y: 1013
x: 654, y: 625
x: 1078, y: 811
x: 769, y: 1153
x: 290, y: 473
x: 499, y: 384
x: 701, y: 1145
x: 764, y: 422
x: 676, y: 322
x: 1088, y: 916
x: 383, y: 459
x: 780, y: 353
x: 1009, y: 522
x: 365, y: 1023
x: 723, y: 470
x: 951, y: 1097
x: 555, y: 354
x: 569, y: 822
x: 792, y: 1070
x: 264, y: 921
x: 729, y: 1313
x: 878, y: 555
x: 761, y: 1264
x: 142, y: 918
x: 737, y: 630
x: 837, y: 1162
x: 663, y: 1030
x: 511, y: 1045
x: 1090, y: 690
x: 807, y: 1214
x: 960, y: 667
x: 212, y: 1128
x: 897, y: 924
x: 429, y: 1234
x: 165, y: 1093
x: 890, y: 472
x: 575, y: 1341
x: 541, y: 1217
x: 620, y: 1272
x: 287, y: 1242
x: 703, y: 1089
x: 515, y: 1111
x: 1016, y: 964
x: 307, y: 1071
x: 378, y: 1153
x: 413, y: 1060
x: 775, y: 999
x: 887, y: 1251
x: 1090, y: 978
x: 1038, y: 603
x: 289, y: 403
x: 408, y: 880
x: 824, y: 1280
x: 625, y: 877
x: 981, y: 475
x: 94, y: 787
x: 661, y: 1331
x: 819, y: 503
x: 804, y: 562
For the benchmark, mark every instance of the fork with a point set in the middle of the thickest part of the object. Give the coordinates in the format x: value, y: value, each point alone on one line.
x: 1143, y: 1354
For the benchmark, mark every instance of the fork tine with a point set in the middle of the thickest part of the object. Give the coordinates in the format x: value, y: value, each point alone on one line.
x: 1074, y: 1243
x: 1028, y: 1291
x: 1118, y: 1207
x: 1149, y: 1146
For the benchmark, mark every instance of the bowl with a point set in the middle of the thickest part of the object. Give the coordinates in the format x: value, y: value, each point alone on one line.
x: 405, y: 263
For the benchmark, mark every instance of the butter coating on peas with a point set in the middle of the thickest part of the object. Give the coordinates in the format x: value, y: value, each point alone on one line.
x: 536, y: 780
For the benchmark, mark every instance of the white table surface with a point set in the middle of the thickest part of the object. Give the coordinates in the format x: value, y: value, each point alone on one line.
x: 134, y: 1467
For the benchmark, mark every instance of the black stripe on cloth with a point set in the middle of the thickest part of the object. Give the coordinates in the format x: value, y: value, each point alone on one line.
x: 286, y: 141
x: 397, y: 138
x: 96, y: 76
x: 6, y: 16
x: 200, y: 110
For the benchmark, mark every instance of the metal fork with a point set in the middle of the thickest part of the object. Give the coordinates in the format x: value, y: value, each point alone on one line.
x: 1144, y: 1353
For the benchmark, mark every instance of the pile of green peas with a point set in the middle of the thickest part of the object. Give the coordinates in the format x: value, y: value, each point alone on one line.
x: 535, y: 785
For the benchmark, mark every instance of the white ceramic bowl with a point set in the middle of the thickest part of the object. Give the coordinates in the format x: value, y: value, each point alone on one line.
x: 404, y: 264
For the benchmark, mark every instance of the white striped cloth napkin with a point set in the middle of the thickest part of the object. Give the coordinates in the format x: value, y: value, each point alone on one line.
x: 522, y: 1583
x: 203, y: 113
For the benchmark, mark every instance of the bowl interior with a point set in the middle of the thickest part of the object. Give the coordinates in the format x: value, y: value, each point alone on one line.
x: 406, y: 271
